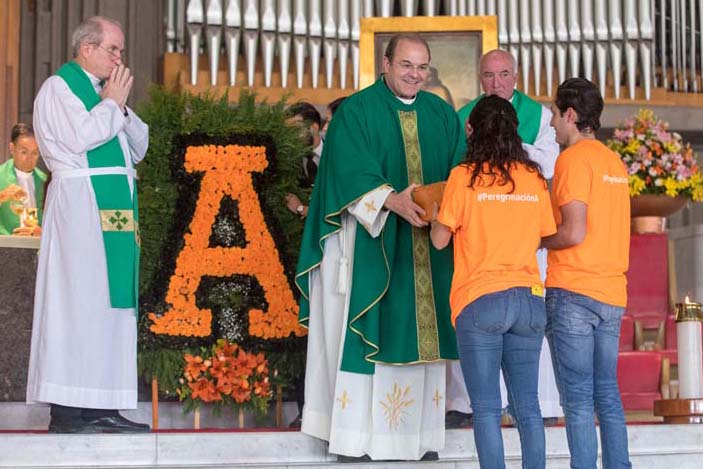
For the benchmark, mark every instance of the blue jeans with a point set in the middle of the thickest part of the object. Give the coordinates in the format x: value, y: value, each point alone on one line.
x: 583, y: 335
x: 503, y: 330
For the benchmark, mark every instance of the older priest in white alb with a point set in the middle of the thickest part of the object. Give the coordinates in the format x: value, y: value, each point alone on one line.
x: 84, y: 338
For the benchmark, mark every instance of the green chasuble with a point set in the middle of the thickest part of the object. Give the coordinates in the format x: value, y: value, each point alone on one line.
x: 119, y: 214
x: 399, y: 307
x: 9, y: 220
x: 529, y: 115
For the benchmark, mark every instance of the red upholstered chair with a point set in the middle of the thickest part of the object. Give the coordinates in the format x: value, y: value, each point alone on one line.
x: 643, y: 377
x: 648, y: 285
x: 627, y: 334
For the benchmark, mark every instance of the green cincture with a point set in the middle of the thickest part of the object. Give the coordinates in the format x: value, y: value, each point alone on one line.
x: 529, y: 115
x: 119, y: 214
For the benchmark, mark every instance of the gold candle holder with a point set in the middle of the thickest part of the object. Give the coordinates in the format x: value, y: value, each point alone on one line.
x: 688, y: 311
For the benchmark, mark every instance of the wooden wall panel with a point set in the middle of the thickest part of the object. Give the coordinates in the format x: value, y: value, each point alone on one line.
x: 45, y: 44
x: 9, y: 69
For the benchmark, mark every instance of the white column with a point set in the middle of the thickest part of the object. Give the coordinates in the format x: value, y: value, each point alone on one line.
x: 268, y: 37
x: 233, y: 31
x: 384, y: 8
x: 194, y: 19
x: 537, y: 43
x: 408, y: 7
x: 549, y: 39
x: 315, y: 39
x: 251, y: 37
x: 525, y: 43
x: 588, y: 33
x: 601, y: 25
x: 616, y: 37
x: 646, y: 22
x: 562, y: 37
x: 490, y: 7
x: 330, y: 42
x: 431, y: 7
x: 284, y: 27
x: 356, y: 13
x: 646, y: 27
x: 574, y: 37
x: 514, y: 29
x: 503, y: 37
x: 344, y: 34
x: 300, y: 33
x: 213, y: 15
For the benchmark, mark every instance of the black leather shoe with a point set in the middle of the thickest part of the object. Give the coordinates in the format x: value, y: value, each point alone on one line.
x: 296, y: 422
x: 114, y: 424
x: 455, y: 419
x: 352, y: 459
x: 430, y: 456
x: 67, y: 425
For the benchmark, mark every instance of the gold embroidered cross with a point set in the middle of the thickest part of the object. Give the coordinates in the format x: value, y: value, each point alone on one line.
x: 437, y: 398
x: 370, y: 206
x: 344, y: 400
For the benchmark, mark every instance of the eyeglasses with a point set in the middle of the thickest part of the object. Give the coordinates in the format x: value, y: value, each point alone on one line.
x: 113, y: 52
x: 502, y: 75
x: 408, y: 67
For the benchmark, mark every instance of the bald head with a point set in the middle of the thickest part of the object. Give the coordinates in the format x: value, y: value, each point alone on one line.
x: 498, y: 73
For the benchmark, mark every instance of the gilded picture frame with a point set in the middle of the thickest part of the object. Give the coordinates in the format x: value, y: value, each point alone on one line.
x: 456, y: 44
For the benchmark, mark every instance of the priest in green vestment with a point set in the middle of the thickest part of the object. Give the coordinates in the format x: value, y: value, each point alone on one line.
x: 375, y: 293
x: 20, y: 176
x: 498, y: 74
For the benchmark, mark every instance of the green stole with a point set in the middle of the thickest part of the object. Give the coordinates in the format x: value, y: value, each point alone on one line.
x: 399, y: 305
x: 9, y: 220
x: 529, y: 115
x: 119, y: 214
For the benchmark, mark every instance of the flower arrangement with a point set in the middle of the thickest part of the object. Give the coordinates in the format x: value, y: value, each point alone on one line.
x: 658, y: 162
x: 227, y: 375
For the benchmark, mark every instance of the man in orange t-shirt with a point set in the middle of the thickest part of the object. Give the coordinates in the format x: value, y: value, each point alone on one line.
x: 586, y: 294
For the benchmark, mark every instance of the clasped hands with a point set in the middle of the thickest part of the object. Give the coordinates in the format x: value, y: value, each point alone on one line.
x: 118, y: 86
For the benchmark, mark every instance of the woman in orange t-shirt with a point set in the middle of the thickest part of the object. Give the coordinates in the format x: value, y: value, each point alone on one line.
x: 496, y: 207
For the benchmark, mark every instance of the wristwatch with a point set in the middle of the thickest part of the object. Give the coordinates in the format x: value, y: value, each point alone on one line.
x: 299, y: 209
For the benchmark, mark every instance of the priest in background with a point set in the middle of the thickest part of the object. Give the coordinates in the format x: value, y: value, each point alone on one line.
x: 375, y: 293
x: 498, y: 74
x: 21, y: 181
x: 83, y: 358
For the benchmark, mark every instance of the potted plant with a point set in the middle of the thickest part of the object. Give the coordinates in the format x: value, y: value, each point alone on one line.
x: 663, y: 171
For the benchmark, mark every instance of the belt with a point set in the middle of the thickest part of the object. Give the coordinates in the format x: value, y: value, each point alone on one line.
x: 88, y: 172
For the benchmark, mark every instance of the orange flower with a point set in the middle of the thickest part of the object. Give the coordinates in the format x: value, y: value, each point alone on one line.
x: 204, y: 390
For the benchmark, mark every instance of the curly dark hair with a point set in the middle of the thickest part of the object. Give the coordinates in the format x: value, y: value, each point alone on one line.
x: 494, y: 146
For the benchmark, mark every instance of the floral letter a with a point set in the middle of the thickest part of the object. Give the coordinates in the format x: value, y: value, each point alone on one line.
x: 228, y: 172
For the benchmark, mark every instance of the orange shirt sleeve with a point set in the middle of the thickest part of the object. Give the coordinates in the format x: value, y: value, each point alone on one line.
x: 547, y: 225
x: 572, y: 180
x: 452, y: 210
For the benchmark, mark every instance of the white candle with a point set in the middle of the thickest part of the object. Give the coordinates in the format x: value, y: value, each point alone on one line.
x: 688, y: 332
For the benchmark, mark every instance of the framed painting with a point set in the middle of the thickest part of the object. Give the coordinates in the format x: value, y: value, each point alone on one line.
x: 456, y: 44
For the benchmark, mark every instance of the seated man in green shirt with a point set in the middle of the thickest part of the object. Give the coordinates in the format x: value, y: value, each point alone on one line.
x: 22, y: 184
